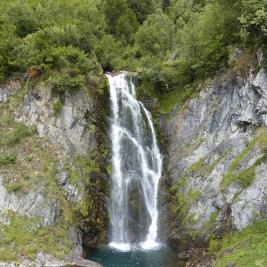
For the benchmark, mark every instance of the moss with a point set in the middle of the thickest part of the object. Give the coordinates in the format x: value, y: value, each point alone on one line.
x: 57, y: 106
x: 36, y: 159
x: 92, y: 128
x: 109, y: 169
x: 183, y: 198
x: 23, y: 238
x: 246, y: 177
x: 243, y: 249
x: 209, y: 226
x: 201, y: 167
x: 181, y: 202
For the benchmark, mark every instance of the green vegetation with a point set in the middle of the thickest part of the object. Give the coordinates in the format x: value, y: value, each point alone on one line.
x: 246, y: 177
x: 15, y: 187
x: 30, y: 162
x: 171, y: 44
x: 57, y: 107
x: 245, y: 248
x: 182, y: 197
x: 22, y: 237
x: 5, y: 160
x: 169, y: 100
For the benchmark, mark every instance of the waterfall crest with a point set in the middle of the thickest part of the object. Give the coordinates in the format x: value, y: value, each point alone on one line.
x: 135, y: 159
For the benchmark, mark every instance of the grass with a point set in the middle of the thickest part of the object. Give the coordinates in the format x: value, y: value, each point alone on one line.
x: 20, y: 132
x: 247, y: 248
x: 9, y: 159
x: 23, y: 238
x: 246, y: 177
x: 179, y: 96
x: 15, y: 187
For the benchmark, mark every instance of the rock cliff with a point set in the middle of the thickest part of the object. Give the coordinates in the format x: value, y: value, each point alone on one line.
x: 216, y: 157
x: 53, y: 167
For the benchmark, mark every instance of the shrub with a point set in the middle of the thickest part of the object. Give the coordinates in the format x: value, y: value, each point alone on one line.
x: 71, y: 66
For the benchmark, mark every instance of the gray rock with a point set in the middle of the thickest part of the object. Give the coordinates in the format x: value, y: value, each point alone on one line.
x: 216, y: 126
x: 8, y: 90
x: 31, y: 204
x: 46, y: 260
x: 69, y: 128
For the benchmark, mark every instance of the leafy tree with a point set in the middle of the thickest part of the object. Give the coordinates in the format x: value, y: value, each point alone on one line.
x: 165, y: 4
x: 254, y: 21
x: 121, y: 20
x: 141, y: 8
x: 108, y: 52
x: 24, y: 18
x: 71, y: 68
x: 156, y: 35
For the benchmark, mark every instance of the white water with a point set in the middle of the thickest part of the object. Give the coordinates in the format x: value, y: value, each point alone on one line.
x: 135, y: 155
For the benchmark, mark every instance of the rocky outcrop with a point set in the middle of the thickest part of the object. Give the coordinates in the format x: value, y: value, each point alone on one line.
x: 8, y: 90
x: 34, y: 203
x: 216, y: 156
x: 67, y: 125
x: 45, y: 260
x: 71, y: 124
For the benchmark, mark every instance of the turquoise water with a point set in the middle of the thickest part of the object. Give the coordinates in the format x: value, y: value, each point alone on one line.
x: 109, y: 257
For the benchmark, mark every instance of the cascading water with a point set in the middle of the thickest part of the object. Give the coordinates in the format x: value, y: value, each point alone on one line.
x: 135, y: 157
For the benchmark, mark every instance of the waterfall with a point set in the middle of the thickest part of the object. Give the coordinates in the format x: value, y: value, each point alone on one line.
x: 135, y: 159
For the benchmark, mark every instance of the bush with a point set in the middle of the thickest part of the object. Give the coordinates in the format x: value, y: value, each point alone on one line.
x: 71, y: 66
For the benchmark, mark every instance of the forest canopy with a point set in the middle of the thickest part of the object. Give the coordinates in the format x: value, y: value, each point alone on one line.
x: 170, y: 43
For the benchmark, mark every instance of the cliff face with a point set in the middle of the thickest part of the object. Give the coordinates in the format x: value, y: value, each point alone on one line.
x: 53, y: 164
x: 216, y: 157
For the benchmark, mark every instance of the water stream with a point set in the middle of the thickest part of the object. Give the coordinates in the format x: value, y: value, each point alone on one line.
x: 136, y: 171
x: 136, y: 162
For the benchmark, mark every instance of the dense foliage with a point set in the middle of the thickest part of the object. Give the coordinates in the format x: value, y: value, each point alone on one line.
x: 169, y: 43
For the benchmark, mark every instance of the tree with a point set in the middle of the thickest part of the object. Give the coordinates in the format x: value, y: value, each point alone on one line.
x: 141, y: 8
x: 254, y: 21
x: 121, y: 20
x: 24, y: 19
x: 156, y: 35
